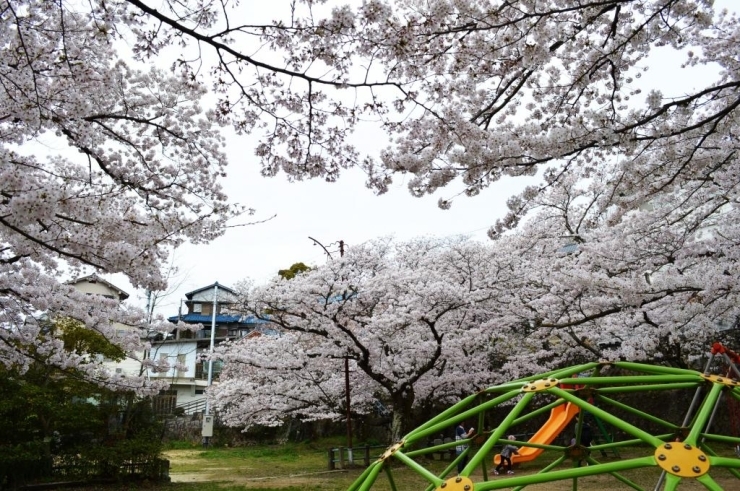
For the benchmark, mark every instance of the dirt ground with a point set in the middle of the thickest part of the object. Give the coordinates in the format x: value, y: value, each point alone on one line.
x: 256, y: 477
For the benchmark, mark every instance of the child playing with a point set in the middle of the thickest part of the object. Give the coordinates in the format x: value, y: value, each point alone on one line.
x: 505, y: 454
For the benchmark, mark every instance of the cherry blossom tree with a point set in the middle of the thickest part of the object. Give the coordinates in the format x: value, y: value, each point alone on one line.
x: 104, y: 166
x: 407, y: 315
x: 467, y: 90
x: 638, y: 180
x: 642, y: 177
x: 656, y: 284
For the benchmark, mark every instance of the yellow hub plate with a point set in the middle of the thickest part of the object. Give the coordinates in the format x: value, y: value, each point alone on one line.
x: 682, y: 459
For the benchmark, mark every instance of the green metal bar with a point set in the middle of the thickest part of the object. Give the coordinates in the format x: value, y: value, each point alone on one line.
x: 504, y: 387
x: 484, y: 469
x: 721, y: 438
x: 371, y: 478
x: 435, y: 448
x: 537, y: 412
x: 636, y: 412
x: 417, y: 435
x: 645, y: 388
x: 579, y: 426
x: 734, y: 393
x: 632, y: 379
x: 612, y: 420
x: 730, y: 462
x: 628, y: 482
x: 497, y: 433
x: 567, y: 474
x: 452, y: 466
x: 481, y: 425
x: 418, y: 469
x: 709, y: 483
x: 455, y: 408
x: 641, y: 367
x: 567, y: 372
x: 709, y: 451
x: 530, y: 444
x: 558, y: 374
x: 561, y: 372
x: 607, y: 437
x: 703, y: 415
x: 443, y: 475
x: 389, y: 474
x: 356, y: 484
x: 631, y: 443
x: 458, y: 457
x: 546, y: 469
x: 671, y: 482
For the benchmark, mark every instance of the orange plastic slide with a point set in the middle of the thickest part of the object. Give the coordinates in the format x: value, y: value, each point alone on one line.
x: 559, y: 418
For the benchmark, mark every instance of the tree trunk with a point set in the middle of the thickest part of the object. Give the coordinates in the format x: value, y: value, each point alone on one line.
x: 396, y: 426
x: 403, y: 401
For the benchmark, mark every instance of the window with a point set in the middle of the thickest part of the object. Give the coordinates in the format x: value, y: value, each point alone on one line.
x: 199, y: 392
x: 197, y: 308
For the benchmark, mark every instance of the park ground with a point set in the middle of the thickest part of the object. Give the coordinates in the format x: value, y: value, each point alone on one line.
x: 293, y: 467
x: 303, y: 466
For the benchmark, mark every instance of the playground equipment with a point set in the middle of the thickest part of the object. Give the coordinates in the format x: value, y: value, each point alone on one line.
x: 686, y: 450
x: 560, y: 417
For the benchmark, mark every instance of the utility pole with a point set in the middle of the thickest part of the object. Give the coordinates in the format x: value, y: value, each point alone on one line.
x: 207, y: 417
x: 346, y: 385
x: 347, y: 399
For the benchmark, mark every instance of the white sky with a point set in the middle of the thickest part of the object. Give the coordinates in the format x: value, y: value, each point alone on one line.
x: 344, y: 210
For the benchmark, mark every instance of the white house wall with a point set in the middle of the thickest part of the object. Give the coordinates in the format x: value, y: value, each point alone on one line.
x: 172, y: 350
x: 96, y: 288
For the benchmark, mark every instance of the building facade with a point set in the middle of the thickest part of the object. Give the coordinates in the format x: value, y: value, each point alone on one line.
x: 204, y: 307
x: 95, y: 285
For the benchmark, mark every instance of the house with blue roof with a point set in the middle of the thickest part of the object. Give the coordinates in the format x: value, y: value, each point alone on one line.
x: 191, y: 348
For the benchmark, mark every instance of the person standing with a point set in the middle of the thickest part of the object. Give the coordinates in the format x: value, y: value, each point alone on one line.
x: 505, y: 457
x: 462, y: 434
x: 587, y: 437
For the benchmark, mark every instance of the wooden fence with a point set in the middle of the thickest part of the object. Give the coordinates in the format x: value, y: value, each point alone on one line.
x: 343, y: 457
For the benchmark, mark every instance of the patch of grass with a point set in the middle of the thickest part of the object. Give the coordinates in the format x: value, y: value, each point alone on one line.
x: 282, y: 453
x: 303, y: 466
x: 182, y: 445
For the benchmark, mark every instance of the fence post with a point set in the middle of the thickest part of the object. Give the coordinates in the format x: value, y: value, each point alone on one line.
x: 367, y: 455
x: 341, y: 457
x: 331, y: 459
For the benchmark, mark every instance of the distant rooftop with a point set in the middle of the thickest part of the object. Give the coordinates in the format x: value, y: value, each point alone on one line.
x: 93, y: 278
x: 190, y: 295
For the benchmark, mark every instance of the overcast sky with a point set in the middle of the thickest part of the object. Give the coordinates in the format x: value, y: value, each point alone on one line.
x: 345, y: 210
